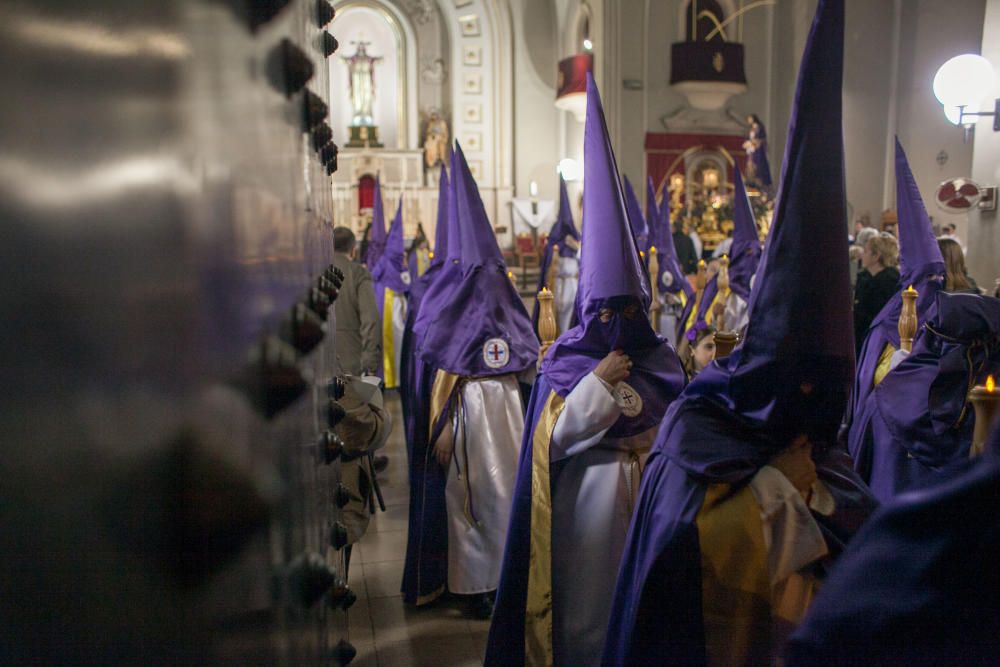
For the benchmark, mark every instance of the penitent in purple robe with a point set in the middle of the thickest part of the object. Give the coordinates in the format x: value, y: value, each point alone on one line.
x: 696, y: 583
x: 917, y: 422
x: 562, y: 230
x: 921, y: 266
x: 573, y: 498
x: 919, y: 583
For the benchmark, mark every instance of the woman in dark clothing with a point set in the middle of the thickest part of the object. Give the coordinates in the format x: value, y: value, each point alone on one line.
x: 957, y: 278
x: 877, y: 282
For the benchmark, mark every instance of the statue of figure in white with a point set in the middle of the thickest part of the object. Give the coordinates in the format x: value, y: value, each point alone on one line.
x: 362, y: 70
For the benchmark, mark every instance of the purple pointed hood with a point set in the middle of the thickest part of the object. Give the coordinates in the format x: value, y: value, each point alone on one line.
x: 377, y: 235
x: 919, y: 253
x: 652, y: 213
x: 611, y: 276
x: 445, y: 275
x: 667, y: 258
x: 744, y: 255
x: 481, y: 328
x: 921, y: 265
x: 562, y: 229
x: 391, y: 270
x: 636, y: 220
x: 440, y: 249
x: 564, y: 226
x: 792, y: 374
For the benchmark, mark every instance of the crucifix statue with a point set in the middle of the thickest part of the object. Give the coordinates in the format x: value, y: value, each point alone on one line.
x: 361, y: 67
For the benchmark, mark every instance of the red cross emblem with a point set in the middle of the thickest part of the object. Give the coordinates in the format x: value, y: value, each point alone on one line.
x: 496, y: 353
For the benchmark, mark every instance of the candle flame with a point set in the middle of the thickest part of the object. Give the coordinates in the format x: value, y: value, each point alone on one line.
x: 991, y: 384
x: 701, y: 264
x: 910, y: 289
x: 652, y: 248
x: 431, y: 255
x: 642, y: 254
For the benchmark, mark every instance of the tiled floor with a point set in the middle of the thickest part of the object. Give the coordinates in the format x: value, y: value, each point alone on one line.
x: 386, y: 632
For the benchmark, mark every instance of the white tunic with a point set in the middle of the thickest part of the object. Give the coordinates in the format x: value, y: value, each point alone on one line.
x: 567, y: 281
x: 481, y: 478
x: 594, y: 486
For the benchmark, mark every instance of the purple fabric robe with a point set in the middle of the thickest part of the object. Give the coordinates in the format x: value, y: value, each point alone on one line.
x: 921, y: 266
x: 917, y: 421
x: 790, y: 377
x: 612, y: 276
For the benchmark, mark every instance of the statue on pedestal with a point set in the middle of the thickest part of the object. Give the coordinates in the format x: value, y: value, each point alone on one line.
x: 758, y: 171
x: 436, y: 140
x: 361, y: 68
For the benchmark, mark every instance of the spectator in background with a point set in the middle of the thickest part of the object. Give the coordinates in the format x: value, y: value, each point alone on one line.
x: 686, y: 255
x: 359, y: 332
x: 864, y: 235
x: 948, y: 232
x: 957, y: 278
x: 877, y: 282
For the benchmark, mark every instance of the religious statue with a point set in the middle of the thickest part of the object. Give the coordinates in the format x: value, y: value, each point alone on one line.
x: 435, y: 140
x: 758, y: 172
x: 362, y: 73
x: 676, y: 190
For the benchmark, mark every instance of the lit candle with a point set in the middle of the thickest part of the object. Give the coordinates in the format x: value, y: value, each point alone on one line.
x: 986, y: 401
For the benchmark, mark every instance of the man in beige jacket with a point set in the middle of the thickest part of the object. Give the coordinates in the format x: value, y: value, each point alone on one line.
x: 358, y: 336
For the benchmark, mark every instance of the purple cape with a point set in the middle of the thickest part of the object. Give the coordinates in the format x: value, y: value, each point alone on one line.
x: 426, y: 568
x: 789, y: 377
x: 917, y: 421
x: 411, y: 396
x: 917, y: 585
x: 482, y: 313
x: 921, y: 266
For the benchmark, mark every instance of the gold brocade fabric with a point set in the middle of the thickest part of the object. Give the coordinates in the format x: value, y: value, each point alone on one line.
x: 538, y: 607
x: 444, y: 385
x: 735, y: 584
x: 390, y: 372
x: 884, y: 364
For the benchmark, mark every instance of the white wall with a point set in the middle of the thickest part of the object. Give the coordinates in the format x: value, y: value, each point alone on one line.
x: 984, y: 237
x: 932, y: 33
x: 536, y: 119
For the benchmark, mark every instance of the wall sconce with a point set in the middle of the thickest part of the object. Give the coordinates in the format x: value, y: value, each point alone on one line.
x: 570, y: 170
x: 961, y: 85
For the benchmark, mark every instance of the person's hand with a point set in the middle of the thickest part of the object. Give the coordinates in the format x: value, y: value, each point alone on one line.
x: 614, y: 368
x: 797, y: 465
x: 444, y: 447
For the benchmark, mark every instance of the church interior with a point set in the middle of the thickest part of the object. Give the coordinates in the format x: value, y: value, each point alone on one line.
x: 461, y: 332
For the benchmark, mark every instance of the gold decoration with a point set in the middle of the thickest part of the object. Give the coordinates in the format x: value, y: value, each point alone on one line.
x: 718, y: 63
x: 908, y: 319
x: 654, y: 272
x: 548, y: 329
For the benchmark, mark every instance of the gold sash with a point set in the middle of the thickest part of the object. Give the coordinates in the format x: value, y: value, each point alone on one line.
x: 538, y: 607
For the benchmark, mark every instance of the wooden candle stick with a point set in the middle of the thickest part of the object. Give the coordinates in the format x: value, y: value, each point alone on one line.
x: 654, y: 272
x: 547, y: 327
x: 719, y: 309
x: 550, y: 273
x: 985, y: 400
x: 700, y: 280
x: 908, y: 319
